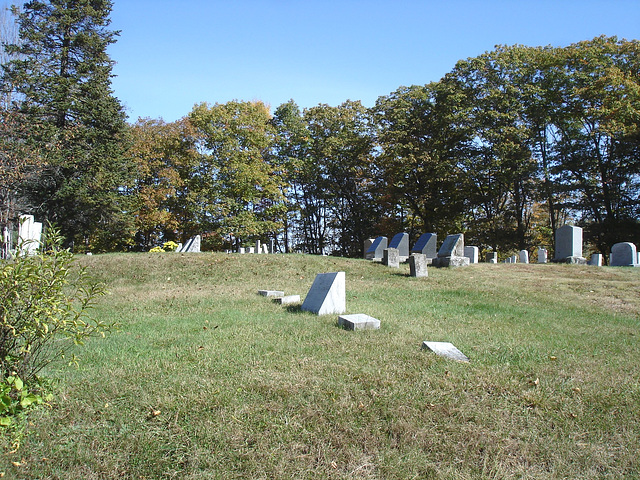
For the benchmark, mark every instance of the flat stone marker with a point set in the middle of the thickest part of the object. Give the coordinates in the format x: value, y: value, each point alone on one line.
x: 427, y: 245
x: 400, y: 241
x: 391, y: 258
x: 445, y: 349
x: 271, y: 293
x: 376, y: 249
x: 524, y: 256
x: 358, y: 321
x: 288, y: 300
x: 624, y: 255
x: 327, y: 294
x: 418, y: 265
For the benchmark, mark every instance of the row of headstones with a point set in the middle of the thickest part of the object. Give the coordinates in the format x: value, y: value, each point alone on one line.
x: 327, y: 296
x: 453, y: 252
x: 259, y: 248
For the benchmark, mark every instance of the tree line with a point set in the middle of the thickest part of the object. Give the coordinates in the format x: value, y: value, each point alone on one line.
x: 506, y: 148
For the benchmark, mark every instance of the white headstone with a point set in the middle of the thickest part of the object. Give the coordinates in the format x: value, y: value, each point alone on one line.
x: 472, y: 254
x: 358, y: 321
x: 445, y: 349
x: 390, y: 257
x: 376, y: 249
x: 327, y: 294
x: 242, y: 250
x: 252, y: 249
x: 524, y: 256
x: 624, y: 254
x: 542, y: 255
x: 569, y: 245
x: 514, y: 258
x: 492, y: 257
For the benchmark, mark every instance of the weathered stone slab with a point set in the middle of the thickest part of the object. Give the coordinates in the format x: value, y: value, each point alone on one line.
x: 568, y: 244
x: 453, y: 246
x: 418, y: 265
x: 427, y: 245
x: 251, y: 249
x: 596, y: 259
x: 358, y: 321
x: 524, y: 256
x: 192, y: 245
x: 400, y: 242
x: 492, y: 257
x: 327, y: 294
x: 472, y: 254
x: 288, y: 300
x: 445, y: 349
x: 390, y: 257
x: 624, y: 254
x: 271, y: 293
x: 542, y: 255
x: 514, y: 258
x: 376, y: 250
x: 442, y: 262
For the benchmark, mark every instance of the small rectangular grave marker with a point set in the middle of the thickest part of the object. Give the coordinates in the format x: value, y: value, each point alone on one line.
x: 390, y: 257
x: 445, y: 349
x: 358, y: 321
x: 524, y: 256
x: 418, y: 265
x: 271, y: 293
x: 542, y: 255
x: 288, y: 300
x: 472, y: 253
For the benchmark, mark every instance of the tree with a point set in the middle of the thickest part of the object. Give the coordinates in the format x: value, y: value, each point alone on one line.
x: 71, y: 118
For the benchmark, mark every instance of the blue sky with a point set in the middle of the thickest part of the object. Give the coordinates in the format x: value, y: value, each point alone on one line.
x: 173, y: 54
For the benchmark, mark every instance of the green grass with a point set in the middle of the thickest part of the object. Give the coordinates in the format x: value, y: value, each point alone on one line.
x: 247, y: 388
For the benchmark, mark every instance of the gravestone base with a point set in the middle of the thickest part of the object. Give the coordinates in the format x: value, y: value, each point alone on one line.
x: 288, y: 300
x: 358, y: 321
x: 572, y: 260
x: 441, y: 262
x: 271, y: 293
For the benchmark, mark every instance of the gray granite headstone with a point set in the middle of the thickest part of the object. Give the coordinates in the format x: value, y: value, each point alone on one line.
x: 524, y: 256
x: 445, y: 349
x: 376, y: 249
x: 427, y: 245
x: 569, y: 245
x: 327, y: 294
x: 418, y: 265
x: 492, y: 257
x: 514, y: 258
x: 390, y: 257
x: 472, y: 254
x: 400, y: 242
x: 451, y: 253
x: 358, y: 321
x: 367, y: 244
x: 624, y: 254
x: 596, y: 259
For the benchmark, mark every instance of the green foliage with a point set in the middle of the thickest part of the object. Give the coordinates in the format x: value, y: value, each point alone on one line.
x: 16, y: 398
x: 44, y: 309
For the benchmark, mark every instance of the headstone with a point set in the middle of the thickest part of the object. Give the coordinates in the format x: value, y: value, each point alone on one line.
x: 367, y: 244
x: 427, y: 245
x: 569, y: 245
x: 242, y: 250
x: 472, y: 254
x: 258, y: 247
x: 596, y: 259
x: 524, y: 256
x: 327, y: 294
x: 29, y: 234
x: 542, y: 255
x: 418, y: 265
x: 451, y: 253
x: 251, y: 249
x: 445, y: 349
x: 400, y: 242
x: 376, y: 249
x: 624, y: 254
x: 492, y: 257
x: 514, y: 258
x: 192, y: 245
x: 358, y: 321
x: 288, y: 300
x: 271, y: 293
x: 390, y: 257
x: 265, y: 249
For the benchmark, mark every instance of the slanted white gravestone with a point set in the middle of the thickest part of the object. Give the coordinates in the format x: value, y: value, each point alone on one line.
x: 445, y: 349
x: 271, y: 293
x: 427, y: 245
x: 288, y: 300
x: 376, y: 249
x: 400, y: 242
x: 542, y: 255
x: 524, y: 256
x: 596, y: 259
x: 367, y: 244
x: 327, y: 294
x: 492, y: 257
x: 472, y: 254
x: 418, y: 265
x: 569, y: 245
x: 624, y: 254
x: 451, y: 253
x: 390, y: 257
x: 358, y: 321
x: 192, y: 245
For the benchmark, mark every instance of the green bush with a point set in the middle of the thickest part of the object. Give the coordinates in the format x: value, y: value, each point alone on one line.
x: 44, y: 306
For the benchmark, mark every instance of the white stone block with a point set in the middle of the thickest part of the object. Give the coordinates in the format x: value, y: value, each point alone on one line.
x: 288, y: 300
x: 445, y: 349
x: 271, y: 293
x: 327, y: 294
x: 358, y: 321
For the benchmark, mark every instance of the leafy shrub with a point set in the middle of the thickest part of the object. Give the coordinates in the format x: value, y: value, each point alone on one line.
x: 156, y: 250
x: 170, y: 246
x: 44, y: 306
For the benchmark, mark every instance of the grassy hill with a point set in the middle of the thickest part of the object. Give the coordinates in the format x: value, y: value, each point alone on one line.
x: 206, y: 379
